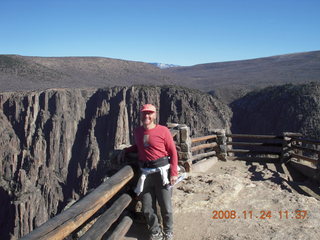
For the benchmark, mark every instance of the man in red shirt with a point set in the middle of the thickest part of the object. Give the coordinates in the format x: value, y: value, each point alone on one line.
x: 157, y: 153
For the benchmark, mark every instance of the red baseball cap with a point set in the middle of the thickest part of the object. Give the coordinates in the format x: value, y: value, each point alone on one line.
x: 148, y: 108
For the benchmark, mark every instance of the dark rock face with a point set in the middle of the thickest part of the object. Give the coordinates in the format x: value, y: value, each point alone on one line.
x: 293, y: 108
x: 54, y: 144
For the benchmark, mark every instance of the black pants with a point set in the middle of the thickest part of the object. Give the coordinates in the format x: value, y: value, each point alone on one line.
x: 154, y: 190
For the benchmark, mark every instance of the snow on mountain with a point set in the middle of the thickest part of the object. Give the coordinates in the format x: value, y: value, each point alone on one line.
x: 164, y: 65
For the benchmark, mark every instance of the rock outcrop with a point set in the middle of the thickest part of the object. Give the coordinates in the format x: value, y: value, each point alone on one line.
x: 55, y: 144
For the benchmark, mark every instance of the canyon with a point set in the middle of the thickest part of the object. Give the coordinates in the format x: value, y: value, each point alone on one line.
x: 62, y: 118
x: 55, y: 145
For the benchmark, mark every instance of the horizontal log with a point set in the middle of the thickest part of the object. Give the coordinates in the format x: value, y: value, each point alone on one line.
x: 254, y: 151
x: 255, y: 159
x: 305, y: 149
x: 293, y: 155
x: 202, y: 155
x: 104, y: 222
x: 66, y: 222
x: 306, y: 140
x: 255, y: 144
x: 172, y: 125
x: 121, y: 230
x: 203, y: 146
x: 199, y: 139
x: 254, y: 136
x: 292, y: 134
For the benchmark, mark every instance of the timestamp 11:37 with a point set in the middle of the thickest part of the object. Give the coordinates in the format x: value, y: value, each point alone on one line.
x: 263, y: 214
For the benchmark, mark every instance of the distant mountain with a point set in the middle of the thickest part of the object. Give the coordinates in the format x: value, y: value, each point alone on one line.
x: 226, y: 80
x: 164, y: 65
x: 28, y: 73
x: 230, y: 80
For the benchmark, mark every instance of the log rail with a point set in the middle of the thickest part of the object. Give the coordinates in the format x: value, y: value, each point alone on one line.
x: 63, y: 224
x: 254, y: 148
x: 208, y: 147
x: 299, y: 152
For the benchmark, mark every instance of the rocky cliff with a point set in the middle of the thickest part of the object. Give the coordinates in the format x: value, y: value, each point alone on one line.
x: 273, y: 110
x: 54, y: 144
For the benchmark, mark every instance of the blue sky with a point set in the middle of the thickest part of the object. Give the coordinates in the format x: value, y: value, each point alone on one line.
x: 169, y: 31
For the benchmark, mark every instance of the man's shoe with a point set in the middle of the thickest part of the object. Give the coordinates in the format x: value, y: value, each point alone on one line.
x: 168, y: 236
x: 156, y: 236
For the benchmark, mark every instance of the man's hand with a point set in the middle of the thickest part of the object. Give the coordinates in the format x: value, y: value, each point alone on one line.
x: 173, y: 180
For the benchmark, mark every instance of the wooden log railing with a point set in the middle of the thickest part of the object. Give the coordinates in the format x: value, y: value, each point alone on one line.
x: 63, y: 224
x: 204, y: 138
x: 252, y: 136
x: 297, y: 147
x: 255, y: 144
x: 304, y: 155
x: 299, y: 152
x: 107, y: 218
x: 256, y: 148
x: 306, y: 140
x: 208, y: 147
x: 288, y: 147
x: 202, y: 155
x: 203, y: 146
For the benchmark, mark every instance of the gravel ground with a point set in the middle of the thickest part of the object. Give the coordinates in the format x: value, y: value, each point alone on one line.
x: 235, y: 200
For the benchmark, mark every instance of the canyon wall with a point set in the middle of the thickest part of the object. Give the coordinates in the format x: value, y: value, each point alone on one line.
x: 273, y: 110
x: 55, y: 144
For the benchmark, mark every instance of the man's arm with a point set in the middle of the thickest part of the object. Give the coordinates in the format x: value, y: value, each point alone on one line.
x: 172, y: 151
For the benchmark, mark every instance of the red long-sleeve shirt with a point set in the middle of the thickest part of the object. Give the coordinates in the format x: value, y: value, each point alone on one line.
x: 155, y: 143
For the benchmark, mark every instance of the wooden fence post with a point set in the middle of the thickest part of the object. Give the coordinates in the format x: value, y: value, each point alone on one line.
x: 222, y: 144
x: 318, y: 168
x: 183, y: 143
x: 286, y: 145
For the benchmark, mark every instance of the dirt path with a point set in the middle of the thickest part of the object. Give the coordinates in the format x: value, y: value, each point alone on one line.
x: 234, y: 200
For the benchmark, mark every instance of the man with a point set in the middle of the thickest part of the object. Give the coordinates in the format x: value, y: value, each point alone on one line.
x: 157, y: 154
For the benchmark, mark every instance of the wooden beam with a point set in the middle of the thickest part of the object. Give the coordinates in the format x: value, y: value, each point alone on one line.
x: 202, y: 155
x: 292, y: 134
x: 315, y: 161
x: 305, y: 149
x: 254, y: 144
x: 199, y: 139
x: 254, y: 136
x: 121, y: 230
x: 254, y: 151
x: 305, y: 140
x: 203, y: 146
x: 255, y: 159
x: 102, y: 225
x: 66, y: 222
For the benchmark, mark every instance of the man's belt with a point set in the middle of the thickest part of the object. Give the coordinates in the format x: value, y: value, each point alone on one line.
x: 160, y: 162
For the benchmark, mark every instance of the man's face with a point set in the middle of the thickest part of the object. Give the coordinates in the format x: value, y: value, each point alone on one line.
x: 148, y: 117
